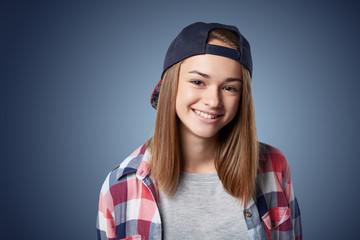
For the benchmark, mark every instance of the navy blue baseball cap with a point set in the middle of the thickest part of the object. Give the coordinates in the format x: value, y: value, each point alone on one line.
x: 192, y: 41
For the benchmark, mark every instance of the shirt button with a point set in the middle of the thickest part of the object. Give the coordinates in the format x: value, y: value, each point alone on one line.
x: 248, y: 214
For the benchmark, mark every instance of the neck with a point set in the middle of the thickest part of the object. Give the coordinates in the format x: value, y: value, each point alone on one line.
x: 197, y: 153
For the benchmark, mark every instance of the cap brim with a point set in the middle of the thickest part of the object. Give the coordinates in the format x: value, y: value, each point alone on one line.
x: 155, y: 95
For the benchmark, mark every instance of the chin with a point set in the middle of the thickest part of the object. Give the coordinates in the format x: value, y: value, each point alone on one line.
x: 205, y: 134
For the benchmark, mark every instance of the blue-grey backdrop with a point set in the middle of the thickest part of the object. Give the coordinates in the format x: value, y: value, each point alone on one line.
x: 76, y: 78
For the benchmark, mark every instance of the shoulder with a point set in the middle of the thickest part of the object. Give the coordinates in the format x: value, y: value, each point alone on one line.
x: 275, y: 198
x: 271, y: 159
x: 127, y: 170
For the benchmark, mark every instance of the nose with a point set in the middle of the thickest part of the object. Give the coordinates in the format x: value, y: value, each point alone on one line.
x: 212, y: 97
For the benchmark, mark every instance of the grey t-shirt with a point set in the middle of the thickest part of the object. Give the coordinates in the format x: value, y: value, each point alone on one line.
x: 202, y: 209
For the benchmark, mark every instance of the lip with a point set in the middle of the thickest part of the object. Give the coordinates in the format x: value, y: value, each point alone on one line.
x: 208, y: 120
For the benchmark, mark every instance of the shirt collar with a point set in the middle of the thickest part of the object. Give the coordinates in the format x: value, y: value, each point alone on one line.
x: 137, y: 162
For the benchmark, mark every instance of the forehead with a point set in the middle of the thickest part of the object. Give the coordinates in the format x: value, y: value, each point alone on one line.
x: 212, y: 65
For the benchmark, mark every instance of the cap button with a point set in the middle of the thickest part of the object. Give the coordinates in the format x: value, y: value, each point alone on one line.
x: 248, y: 214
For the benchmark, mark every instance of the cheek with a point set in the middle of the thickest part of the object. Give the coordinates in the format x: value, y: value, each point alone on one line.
x: 185, y: 96
x: 181, y: 99
x: 233, y: 107
x: 177, y: 105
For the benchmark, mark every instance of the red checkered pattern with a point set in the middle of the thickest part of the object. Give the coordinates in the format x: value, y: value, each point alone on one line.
x: 128, y: 203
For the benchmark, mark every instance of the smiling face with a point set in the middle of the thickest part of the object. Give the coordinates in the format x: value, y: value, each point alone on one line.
x: 209, y: 92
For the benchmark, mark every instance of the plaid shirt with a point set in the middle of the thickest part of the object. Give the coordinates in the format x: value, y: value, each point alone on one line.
x: 128, y: 204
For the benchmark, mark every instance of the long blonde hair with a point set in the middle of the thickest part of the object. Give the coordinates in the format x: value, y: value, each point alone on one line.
x: 236, y: 156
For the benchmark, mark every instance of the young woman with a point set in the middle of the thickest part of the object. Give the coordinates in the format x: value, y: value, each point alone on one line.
x: 203, y: 175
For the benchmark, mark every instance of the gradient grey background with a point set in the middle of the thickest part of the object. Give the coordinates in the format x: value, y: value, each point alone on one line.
x: 76, y: 78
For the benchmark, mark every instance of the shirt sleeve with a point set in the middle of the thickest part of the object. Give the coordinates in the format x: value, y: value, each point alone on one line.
x: 293, y: 203
x: 281, y: 214
x: 105, y: 222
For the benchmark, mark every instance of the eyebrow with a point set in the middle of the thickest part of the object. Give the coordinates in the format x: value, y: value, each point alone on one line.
x: 207, y: 76
x: 200, y: 73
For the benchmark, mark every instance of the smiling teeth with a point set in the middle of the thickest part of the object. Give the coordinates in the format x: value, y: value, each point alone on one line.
x: 205, y: 115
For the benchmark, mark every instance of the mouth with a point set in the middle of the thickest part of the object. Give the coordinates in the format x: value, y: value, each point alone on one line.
x: 206, y: 115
